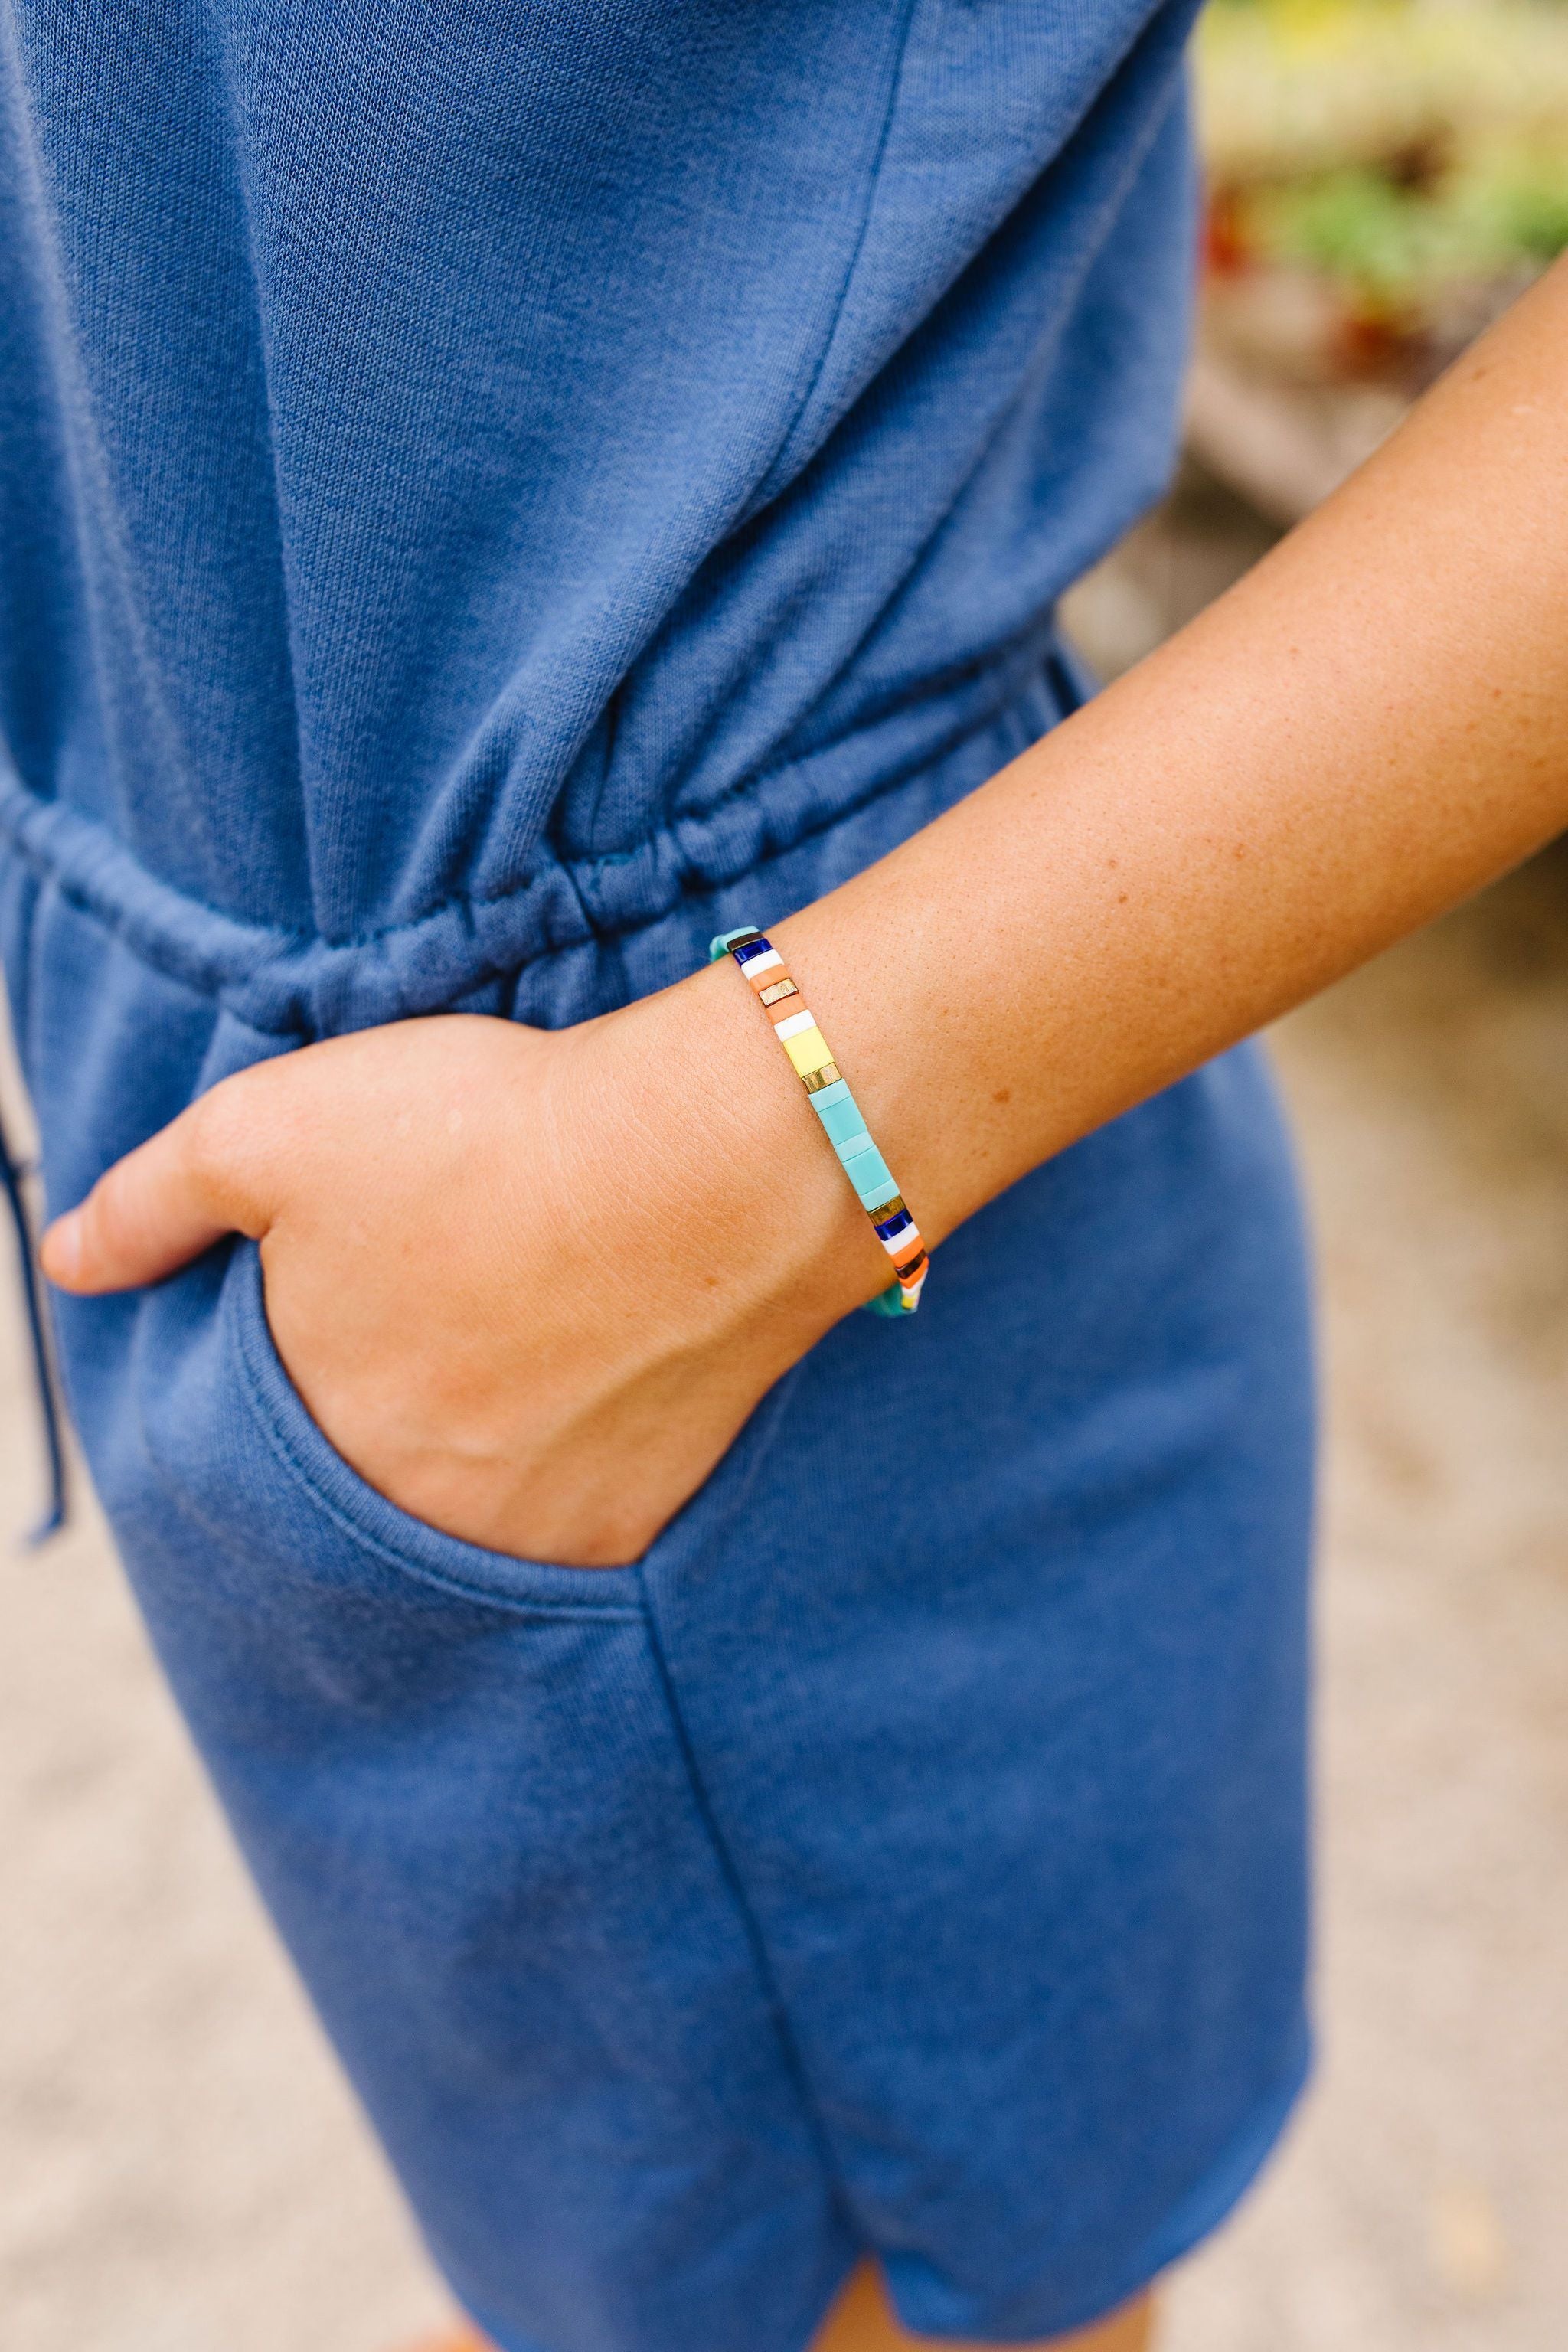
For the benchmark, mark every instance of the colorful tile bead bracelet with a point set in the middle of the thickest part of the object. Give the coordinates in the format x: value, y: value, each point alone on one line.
x: 836, y: 1108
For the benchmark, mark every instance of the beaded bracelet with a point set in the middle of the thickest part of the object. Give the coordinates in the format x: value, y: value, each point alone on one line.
x: 836, y: 1108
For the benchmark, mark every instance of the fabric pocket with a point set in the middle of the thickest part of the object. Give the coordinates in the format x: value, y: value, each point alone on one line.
x: 336, y: 1488
x: 468, y: 1801
x: 228, y: 1432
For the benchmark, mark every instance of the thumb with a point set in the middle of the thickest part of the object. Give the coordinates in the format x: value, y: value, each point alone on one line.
x: 199, y: 1177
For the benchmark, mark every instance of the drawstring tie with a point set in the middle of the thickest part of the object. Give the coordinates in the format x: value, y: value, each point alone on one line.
x: 11, y: 1174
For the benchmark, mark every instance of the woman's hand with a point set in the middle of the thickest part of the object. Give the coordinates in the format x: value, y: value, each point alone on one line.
x: 529, y: 1284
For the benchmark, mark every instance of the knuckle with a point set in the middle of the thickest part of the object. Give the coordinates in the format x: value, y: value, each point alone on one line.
x: 219, y: 1140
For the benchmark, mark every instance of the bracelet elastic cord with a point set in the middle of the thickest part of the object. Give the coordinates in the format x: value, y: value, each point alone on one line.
x: 836, y: 1107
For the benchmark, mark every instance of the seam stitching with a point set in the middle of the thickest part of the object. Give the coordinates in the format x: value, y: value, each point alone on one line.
x: 774, y: 479
x: 728, y: 1869
x: 794, y: 2064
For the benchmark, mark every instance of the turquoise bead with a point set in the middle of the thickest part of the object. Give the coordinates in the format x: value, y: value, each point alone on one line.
x: 721, y: 946
x: 870, y: 1173
x: 842, y: 1118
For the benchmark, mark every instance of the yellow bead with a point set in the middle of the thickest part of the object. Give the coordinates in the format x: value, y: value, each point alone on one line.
x: 809, y: 1051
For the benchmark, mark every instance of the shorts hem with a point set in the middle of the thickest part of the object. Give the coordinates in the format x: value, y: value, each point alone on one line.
x: 1194, y: 2218
x: 789, y: 2339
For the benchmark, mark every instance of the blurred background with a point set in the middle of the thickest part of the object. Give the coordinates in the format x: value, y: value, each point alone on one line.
x: 183, y: 2171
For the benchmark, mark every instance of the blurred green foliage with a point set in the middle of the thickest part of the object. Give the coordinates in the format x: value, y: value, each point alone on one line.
x: 1394, y: 241
x: 1398, y: 147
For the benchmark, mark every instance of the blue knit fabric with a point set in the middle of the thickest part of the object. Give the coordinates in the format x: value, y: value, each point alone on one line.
x: 489, y: 497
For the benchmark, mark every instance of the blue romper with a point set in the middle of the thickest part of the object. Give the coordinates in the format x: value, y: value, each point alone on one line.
x: 493, y: 492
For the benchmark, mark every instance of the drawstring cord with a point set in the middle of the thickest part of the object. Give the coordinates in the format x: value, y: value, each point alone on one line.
x: 11, y: 1174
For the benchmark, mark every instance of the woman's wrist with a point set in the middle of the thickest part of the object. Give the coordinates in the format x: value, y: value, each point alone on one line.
x: 775, y: 1247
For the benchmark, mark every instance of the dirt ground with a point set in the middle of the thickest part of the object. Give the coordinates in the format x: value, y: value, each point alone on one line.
x: 181, y: 2169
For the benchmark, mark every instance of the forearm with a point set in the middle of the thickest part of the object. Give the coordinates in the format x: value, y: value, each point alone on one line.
x: 1369, y: 725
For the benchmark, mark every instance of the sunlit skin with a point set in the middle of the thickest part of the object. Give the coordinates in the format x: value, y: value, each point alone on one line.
x: 531, y: 1284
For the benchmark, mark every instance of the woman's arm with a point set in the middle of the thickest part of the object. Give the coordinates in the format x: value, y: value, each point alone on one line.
x: 1368, y: 726
x: 531, y: 1285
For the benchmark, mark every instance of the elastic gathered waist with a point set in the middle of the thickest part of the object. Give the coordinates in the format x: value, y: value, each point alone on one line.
x: 575, y: 936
